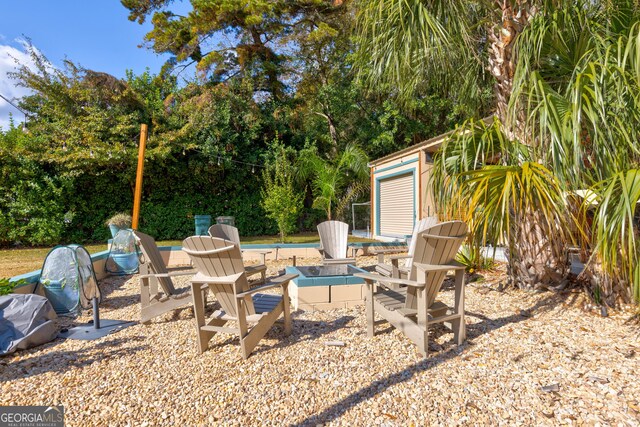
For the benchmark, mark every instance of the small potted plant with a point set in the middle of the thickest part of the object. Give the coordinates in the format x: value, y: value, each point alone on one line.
x: 60, y: 295
x: 119, y: 221
x: 125, y: 255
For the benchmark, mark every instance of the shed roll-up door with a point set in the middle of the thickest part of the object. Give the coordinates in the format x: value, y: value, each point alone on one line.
x: 396, y: 205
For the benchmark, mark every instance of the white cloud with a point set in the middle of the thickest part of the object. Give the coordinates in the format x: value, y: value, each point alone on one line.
x: 9, y: 54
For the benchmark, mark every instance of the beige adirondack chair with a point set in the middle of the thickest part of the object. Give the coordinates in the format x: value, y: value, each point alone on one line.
x: 333, y: 242
x: 229, y: 232
x: 153, y: 273
x: 413, y: 308
x: 219, y: 265
x: 397, y: 269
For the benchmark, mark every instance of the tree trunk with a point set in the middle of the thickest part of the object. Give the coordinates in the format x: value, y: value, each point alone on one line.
x: 537, y: 260
x: 611, y: 291
x: 333, y: 133
x: 537, y: 256
x: 503, y: 61
x: 269, y: 61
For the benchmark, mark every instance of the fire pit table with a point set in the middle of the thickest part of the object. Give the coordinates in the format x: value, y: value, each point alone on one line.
x: 326, y: 287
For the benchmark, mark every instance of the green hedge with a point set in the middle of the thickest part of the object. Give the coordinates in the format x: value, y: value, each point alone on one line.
x: 45, y: 206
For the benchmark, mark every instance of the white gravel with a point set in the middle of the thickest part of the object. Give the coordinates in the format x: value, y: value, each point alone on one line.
x: 517, y: 344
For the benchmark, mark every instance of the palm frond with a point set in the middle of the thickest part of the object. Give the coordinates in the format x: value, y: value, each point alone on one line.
x: 402, y: 43
x: 500, y: 196
x: 353, y: 191
x: 472, y: 146
x: 616, y: 227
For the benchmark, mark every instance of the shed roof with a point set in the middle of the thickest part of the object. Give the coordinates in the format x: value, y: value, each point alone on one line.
x: 430, y: 146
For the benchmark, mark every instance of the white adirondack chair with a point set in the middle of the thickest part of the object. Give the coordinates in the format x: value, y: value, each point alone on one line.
x: 229, y: 232
x: 333, y: 242
x: 220, y: 267
x: 413, y: 307
x: 396, y: 269
x: 153, y: 272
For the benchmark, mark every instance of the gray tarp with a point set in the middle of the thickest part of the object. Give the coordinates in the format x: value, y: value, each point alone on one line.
x: 25, y: 321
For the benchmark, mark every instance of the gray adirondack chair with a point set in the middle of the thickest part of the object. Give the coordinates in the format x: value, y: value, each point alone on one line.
x: 220, y: 267
x: 397, y: 269
x: 414, y: 307
x: 157, y: 293
x: 333, y: 242
x: 229, y: 232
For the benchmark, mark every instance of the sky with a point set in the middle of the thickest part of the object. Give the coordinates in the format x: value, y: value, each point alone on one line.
x: 95, y: 34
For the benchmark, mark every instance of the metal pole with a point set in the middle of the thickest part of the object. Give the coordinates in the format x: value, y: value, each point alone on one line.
x: 96, y: 314
x: 138, y: 193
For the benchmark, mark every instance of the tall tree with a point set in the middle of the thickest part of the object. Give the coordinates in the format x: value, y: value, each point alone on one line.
x: 225, y: 38
x: 405, y: 45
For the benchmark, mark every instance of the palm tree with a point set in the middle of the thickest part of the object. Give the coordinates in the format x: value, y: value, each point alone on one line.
x: 402, y: 43
x: 334, y: 183
x: 590, y: 125
x: 548, y: 59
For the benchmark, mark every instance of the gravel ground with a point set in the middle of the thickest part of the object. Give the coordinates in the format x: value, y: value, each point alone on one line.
x: 517, y: 344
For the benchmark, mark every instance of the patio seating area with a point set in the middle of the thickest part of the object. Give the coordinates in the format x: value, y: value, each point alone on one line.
x: 528, y: 358
x: 320, y: 213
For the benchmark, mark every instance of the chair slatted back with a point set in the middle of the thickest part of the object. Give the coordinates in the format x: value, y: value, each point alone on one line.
x: 220, y: 258
x: 421, y: 225
x: 226, y: 232
x: 152, y: 262
x: 333, y: 238
x: 436, y: 245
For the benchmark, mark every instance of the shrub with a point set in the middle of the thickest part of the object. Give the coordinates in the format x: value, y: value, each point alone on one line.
x: 6, y: 287
x: 279, y: 197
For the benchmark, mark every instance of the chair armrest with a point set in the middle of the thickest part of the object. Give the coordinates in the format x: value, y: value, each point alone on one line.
x: 391, y: 280
x: 224, y: 280
x: 397, y: 257
x: 439, y: 267
x: 274, y: 283
x: 381, y: 253
x: 387, y: 251
x: 170, y: 274
x: 332, y: 261
x: 181, y: 273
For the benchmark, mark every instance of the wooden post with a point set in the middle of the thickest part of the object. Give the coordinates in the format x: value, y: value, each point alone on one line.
x: 372, y: 203
x: 138, y: 193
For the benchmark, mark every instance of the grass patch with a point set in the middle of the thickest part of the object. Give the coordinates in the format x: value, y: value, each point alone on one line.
x: 24, y: 260
x: 308, y: 237
x: 19, y: 261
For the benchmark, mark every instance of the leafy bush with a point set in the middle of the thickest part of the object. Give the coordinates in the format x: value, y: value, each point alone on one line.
x: 6, y: 287
x: 472, y: 258
x: 77, y: 165
x: 279, y: 198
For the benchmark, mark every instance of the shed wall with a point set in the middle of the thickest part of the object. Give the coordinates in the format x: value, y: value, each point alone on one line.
x: 405, y: 204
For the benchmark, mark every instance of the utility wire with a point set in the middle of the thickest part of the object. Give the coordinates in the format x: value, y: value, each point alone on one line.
x: 13, y: 105
x: 221, y: 159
